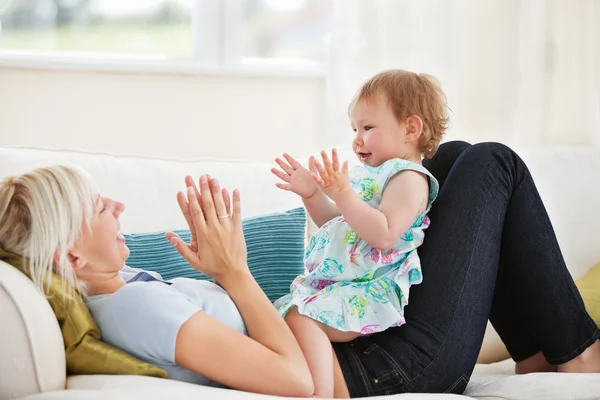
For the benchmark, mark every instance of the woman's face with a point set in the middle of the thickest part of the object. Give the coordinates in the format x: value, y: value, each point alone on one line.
x: 101, y: 247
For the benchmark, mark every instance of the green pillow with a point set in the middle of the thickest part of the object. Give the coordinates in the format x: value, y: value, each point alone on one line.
x: 589, y: 287
x: 275, y: 244
x: 85, y: 353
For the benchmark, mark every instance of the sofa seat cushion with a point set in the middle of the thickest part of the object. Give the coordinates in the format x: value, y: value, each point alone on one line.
x: 142, y: 387
x: 196, y: 394
x: 490, y: 382
x: 498, y: 381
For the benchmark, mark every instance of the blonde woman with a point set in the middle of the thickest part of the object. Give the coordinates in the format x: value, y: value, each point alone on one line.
x: 55, y: 217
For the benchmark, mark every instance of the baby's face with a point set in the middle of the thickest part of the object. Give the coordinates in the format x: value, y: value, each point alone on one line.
x: 379, y: 136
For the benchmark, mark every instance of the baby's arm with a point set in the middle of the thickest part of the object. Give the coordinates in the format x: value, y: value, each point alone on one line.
x: 298, y: 179
x: 320, y: 208
x: 405, y: 196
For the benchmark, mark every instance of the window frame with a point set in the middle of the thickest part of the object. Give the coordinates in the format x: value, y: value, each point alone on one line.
x: 217, y: 51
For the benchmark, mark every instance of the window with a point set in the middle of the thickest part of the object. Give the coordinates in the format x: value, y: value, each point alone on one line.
x: 221, y: 33
x: 292, y: 29
x: 100, y: 26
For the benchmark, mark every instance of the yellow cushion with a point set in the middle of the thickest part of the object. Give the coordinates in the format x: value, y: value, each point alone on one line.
x: 589, y: 287
x: 85, y: 353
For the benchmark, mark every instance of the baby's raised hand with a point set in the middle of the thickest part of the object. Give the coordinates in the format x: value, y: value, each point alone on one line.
x: 296, y: 178
x: 331, y: 180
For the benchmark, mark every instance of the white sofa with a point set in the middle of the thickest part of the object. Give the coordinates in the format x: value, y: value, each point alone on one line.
x: 32, y: 360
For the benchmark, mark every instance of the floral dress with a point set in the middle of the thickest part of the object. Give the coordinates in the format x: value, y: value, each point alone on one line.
x: 350, y: 285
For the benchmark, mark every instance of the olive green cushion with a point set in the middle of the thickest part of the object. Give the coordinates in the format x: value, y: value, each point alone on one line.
x: 85, y: 352
x: 589, y: 287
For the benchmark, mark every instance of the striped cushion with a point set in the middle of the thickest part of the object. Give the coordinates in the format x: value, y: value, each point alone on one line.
x: 275, y: 244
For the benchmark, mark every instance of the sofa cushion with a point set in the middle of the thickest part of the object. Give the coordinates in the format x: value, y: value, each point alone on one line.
x: 32, y: 356
x: 275, y: 244
x: 498, y: 381
x: 142, y: 387
x: 589, y: 287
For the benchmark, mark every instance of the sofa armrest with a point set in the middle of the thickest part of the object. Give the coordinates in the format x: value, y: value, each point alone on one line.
x: 32, y: 355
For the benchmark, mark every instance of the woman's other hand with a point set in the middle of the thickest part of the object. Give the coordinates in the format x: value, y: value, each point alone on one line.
x: 269, y: 359
x: 217, y: 247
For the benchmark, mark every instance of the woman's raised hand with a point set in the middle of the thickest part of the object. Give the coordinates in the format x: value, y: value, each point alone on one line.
x: 217, y: 247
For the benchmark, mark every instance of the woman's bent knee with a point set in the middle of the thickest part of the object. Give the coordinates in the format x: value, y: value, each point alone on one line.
x: 498, y: 153
x: 453, y: 147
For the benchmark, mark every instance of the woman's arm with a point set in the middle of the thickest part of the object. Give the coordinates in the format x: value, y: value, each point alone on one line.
x: 269, y: 360
x: 404, y: 197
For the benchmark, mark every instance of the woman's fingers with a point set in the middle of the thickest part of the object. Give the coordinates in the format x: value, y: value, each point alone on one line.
x: 181, y: 199
x: 196, y: 212
x: 181, y: 247
x: 208, y: 205
x: 227, y: 200
x: 217, y: 195
x: 237, y: 207
x: 292, y: 161
x: 185, y: 210
x: 284, y: 166
x: 189, y: 182
x: 280, y: 175
x: 284, y: 186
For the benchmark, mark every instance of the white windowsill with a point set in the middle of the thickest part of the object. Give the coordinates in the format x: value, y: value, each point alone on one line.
x: 154, y: 65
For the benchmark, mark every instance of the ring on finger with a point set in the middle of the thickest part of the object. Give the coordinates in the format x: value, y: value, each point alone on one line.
x: 223, y: 216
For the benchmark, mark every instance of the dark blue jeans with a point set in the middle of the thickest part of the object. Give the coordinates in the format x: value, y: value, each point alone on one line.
x: 490, y: 253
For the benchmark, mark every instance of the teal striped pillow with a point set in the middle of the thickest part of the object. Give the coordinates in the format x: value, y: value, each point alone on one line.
x: 275, y: 244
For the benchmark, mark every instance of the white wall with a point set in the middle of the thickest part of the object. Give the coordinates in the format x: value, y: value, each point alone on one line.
x: 168, y: 115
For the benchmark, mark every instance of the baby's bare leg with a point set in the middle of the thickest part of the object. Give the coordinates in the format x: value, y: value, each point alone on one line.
x: 336, y: 336
x: 316, y: 348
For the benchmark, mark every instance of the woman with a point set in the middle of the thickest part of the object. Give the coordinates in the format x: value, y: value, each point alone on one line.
x: 54, y: 217
x: 491, y: 252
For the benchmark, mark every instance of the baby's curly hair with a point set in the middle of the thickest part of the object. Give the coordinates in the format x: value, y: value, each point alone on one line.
x: 409, y: 94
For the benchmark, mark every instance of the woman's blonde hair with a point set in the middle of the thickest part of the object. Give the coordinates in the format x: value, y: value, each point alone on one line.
x: 41, y: 215
x: 409, y: 93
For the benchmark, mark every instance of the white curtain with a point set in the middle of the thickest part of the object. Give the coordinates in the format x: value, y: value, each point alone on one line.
x: 522, y: 72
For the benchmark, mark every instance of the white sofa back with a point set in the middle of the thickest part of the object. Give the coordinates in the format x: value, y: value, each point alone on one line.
x: 568, y: 179
x: 31, y: 353
x: 148, y: 185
